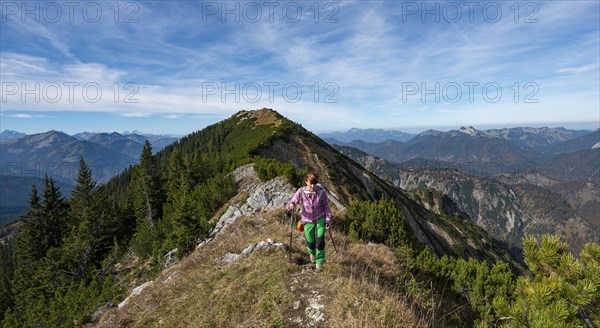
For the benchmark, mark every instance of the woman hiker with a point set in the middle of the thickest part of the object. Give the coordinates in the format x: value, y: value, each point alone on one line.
x: 316, y: 217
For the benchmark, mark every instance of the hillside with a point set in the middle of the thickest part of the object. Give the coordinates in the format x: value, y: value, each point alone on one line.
x: 583, y: 197
x: 586, y: 141
x: 195, y: 235
x: 129, y: 144
x: 229, y: 281
x: 266, y: 134
x: 205, y: 288
x: 507, y: 209
x: 10, y: 134
x: 582, y: 165
x: 57, y: 154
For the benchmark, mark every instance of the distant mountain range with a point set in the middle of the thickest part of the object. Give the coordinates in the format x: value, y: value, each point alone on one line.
x: 508, y: 206
x: 10, y: 134
x: 501, y: 150
x: 25, y: 159
x: 15, y: 191
x: 368, y: 135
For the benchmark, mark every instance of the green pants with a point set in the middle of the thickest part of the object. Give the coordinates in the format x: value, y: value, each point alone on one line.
x: 316, y: 244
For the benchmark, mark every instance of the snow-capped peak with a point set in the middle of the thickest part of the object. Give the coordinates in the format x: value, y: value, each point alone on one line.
x: 597, y: 145
x: 469, y: 130
x: 132, y: 132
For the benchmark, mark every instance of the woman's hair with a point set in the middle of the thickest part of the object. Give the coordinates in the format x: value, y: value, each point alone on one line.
x: 312, y: 177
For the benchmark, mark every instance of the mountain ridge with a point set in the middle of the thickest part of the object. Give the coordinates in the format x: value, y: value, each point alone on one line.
x: 369, y: 135
x: 504, y: 210
x: 221, y: 191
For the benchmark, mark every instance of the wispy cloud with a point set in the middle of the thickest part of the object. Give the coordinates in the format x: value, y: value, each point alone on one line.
x: 135, y: 114
x: 22, y: 116
x: 161, y: 65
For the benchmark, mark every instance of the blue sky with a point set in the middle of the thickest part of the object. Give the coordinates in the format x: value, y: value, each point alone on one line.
x: 177, y: 66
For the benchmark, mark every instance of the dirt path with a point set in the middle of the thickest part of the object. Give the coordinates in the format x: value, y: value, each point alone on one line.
x: 309, y: 288
x: 308, y: 308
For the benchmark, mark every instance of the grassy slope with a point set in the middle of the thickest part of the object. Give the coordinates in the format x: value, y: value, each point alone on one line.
x: 357, y: 288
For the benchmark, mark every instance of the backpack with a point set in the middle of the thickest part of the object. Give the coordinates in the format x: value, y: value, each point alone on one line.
x: 319, y: 193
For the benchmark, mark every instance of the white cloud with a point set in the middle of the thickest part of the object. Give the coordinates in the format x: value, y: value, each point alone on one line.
x: 135, y: 114
x: 22, y: 116
x: 369, y: 53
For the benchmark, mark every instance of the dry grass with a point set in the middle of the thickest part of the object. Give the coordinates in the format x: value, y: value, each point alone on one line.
x: 265, y: 117
x: 362, y: 290
x: 199, y: 291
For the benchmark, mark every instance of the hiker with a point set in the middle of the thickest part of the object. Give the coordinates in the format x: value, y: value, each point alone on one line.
x: 316, y: 217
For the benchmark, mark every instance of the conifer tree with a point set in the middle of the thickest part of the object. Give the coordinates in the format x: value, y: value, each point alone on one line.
x: 43, y: 227
x: 563, y: 292
x: 187, y: 225
x: 6, y: 276
x: 146, y: 188
x: 174, y: 171
x: 147, y: 203
x: 85, y: 186
x: 30, y: 241
x: 54, y: 211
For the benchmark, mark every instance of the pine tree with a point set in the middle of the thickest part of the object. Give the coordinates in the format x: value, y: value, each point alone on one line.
x: 379, y: 221
x: 97, y: 218
x: 563, y: 291
x: 90, y: 242
x: 32, y: 242
x: 147, y: 203
x: 146, y: 188
x: 6, y: 276
x: 54, y: 211
x: 42, y: 229
x: 81, y: 196
x: 187, y: 225
x: 174, y: 171
x: 30, y: 245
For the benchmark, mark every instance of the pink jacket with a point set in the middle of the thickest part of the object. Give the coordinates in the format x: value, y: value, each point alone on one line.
x: 314, y: 205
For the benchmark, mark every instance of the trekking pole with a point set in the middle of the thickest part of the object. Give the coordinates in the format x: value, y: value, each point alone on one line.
x: 332, y: 242
x: 290, y: 217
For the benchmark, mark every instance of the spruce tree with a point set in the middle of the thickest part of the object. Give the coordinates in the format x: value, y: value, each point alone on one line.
x: 147, y: 203
x: 146, y: 188
x: 81, y: 196
x: 30, y: 244
x: 174, y: 171
x: 54, y: 211
x: 6, y: 276
x: 186, y: 224
x: 42, y: 229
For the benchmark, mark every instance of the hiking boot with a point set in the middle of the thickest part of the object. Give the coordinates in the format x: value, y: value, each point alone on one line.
x: 319, y: 268
x: 312, y: 259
